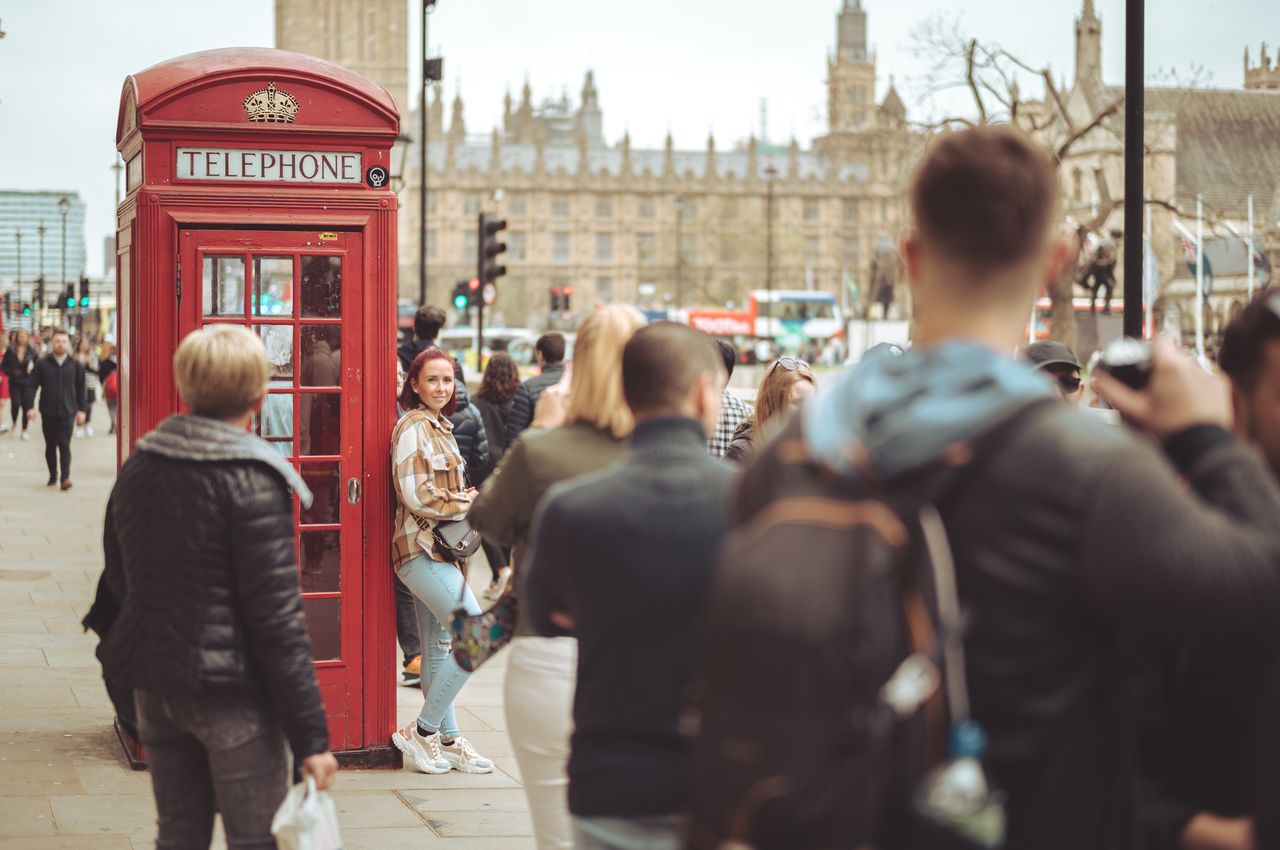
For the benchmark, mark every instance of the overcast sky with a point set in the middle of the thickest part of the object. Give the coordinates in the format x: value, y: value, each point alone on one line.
x: 686, y: 65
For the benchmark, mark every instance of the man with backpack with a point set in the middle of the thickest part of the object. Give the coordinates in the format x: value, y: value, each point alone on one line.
x: 621, y: 559
x: 1064, y: 538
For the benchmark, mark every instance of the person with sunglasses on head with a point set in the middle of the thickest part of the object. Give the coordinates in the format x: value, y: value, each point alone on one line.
x: 787, y: 383
x: 1058, y: 361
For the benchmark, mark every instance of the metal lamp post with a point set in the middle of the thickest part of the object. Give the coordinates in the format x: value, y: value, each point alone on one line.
x: 38, y: 318
x: 64, y: 204
x: 18, y: 283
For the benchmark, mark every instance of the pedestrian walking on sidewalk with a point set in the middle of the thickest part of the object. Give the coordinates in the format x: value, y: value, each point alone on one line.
x: 541, y: 670
x: 430, y: 488
x: 549, y: 349
x: 494, y: 400
x: 108, y: 371
x: 210, y: 635
x: 18, y: 364
x: 59, y: 380
x: 86, y: 357
x: 632, y: 590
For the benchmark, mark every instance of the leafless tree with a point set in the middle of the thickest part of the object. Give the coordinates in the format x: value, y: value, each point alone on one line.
x: 990, y: 73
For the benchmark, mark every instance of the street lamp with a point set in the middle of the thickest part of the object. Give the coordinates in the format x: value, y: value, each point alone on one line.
x: 770, y: 173
x: 64, y: 204
x: 38, y: 321
x: 679, y: 293
x: 18, y: 283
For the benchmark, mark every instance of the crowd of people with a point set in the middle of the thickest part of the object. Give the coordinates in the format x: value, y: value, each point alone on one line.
x: 46, y: 376
x: 1063, y: 629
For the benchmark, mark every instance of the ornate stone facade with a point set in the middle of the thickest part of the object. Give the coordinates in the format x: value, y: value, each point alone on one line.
x: 369, y: 37
x: 615, y: 221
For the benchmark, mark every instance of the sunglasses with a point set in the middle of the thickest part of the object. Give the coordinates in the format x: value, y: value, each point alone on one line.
x: 1069, y: 383
x: 790, y: 363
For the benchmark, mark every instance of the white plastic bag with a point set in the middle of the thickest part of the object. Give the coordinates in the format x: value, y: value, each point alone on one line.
x: 306, y: 820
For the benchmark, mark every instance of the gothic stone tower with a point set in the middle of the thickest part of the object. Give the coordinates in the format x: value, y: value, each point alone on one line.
x: 367, y: 36
x: 851, y: 73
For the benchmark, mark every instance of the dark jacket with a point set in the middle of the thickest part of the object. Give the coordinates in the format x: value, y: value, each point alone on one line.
x: 503, y: 509
x: 19, y: 371
x: 615, y: 550
x: 408, y: 351
x: 468, y: 430
x: 526, y: 400
x: 201, y: 559
x: 1076, y: 538
x: 494, y: 416
x: 61, y: 388
x: 742, y: 448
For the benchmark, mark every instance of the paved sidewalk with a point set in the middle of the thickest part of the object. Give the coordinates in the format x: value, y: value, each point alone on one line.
x: 63, y: 780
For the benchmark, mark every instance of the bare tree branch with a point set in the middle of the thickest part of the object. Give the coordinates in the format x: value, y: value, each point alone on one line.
x: 973, y: 86
x: 1103, y: 115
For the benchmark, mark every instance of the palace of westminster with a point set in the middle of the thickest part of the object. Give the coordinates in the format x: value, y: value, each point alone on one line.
x: 689, y: 228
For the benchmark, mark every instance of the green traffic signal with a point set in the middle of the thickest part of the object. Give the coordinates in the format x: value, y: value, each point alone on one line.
x: 460, y: 301
x: 26, y: 309
x: 71, y: 302
x: 84, y: 301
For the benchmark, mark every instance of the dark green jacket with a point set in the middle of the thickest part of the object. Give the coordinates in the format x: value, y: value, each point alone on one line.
x: 503, y: 510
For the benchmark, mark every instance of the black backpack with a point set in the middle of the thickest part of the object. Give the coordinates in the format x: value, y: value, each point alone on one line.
x: 818, y: 600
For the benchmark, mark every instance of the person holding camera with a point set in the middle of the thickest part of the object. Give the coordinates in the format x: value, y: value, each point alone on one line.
x: 1166, y: 535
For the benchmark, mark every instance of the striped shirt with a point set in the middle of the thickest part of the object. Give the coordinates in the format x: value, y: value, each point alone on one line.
x: 429, y: 479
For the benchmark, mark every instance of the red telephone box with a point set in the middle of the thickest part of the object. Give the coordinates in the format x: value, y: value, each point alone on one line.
x: 258, y: 195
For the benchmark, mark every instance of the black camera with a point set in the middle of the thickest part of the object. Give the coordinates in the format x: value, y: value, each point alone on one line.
x: 1127, y: 360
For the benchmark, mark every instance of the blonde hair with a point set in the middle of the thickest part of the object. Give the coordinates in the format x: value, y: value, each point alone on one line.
x: 595, y: 390
x: 221, y: 370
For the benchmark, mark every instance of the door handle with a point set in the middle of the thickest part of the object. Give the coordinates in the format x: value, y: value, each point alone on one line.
x: 353, y: 491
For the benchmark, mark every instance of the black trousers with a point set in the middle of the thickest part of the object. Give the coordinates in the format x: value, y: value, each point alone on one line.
x: 21, y: 399
x: 406, y: 621
x: 213, y: 753
x: 57, y: 444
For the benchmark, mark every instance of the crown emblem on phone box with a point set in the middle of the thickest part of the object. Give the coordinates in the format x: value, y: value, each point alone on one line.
x: 271, y: 106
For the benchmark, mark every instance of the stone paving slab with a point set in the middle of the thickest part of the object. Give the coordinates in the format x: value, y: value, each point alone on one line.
x: 64, y: 784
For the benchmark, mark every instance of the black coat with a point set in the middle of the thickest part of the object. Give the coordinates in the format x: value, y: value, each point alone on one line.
x: 495, y: 417
x: 201, y: 557
x: 18, y: 370
x: 1076, y: 539
x: 468, y: 430
x: 62, y: 388
x: 526, y: 400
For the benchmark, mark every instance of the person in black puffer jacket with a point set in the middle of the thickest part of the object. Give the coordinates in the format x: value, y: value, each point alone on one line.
x: 468, y: 430
x: 200, y: 607
x: 550, y: 348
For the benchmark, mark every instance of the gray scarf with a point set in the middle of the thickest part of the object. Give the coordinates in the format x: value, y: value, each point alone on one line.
x: 200, y: 438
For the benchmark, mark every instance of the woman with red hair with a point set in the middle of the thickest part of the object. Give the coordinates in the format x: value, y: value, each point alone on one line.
x: 430, y: 482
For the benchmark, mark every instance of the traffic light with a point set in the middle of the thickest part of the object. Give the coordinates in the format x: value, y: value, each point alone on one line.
x: 474, y: 298
x: 84, y: 291
x: 568, y: 293
x: 488, y: 269
x: 461, y: 296
x: 40, y: 291
x: 555, y: 299
x: 26, y: 309
x: 69, y: 297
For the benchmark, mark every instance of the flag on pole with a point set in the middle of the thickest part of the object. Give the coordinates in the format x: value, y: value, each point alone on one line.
x: 1189, y: 252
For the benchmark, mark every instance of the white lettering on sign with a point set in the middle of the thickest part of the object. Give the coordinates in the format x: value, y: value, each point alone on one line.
x: 723, y: 324
x: 269, y: 166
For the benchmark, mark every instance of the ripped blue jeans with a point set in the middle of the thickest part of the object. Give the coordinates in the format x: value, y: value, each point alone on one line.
x: 437, y: 590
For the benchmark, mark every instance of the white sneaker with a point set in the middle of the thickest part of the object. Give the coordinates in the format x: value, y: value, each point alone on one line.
x: 462, y: 756
x: 498, y: 586
x: 4, y: 429
x: 26, y: 436
x: 88, y: 430
x: 79, y: 433
x: 425, y: 753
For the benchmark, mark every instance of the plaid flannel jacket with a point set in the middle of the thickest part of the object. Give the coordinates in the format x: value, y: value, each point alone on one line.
x: 734, y: 411
x: 430, y: 482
